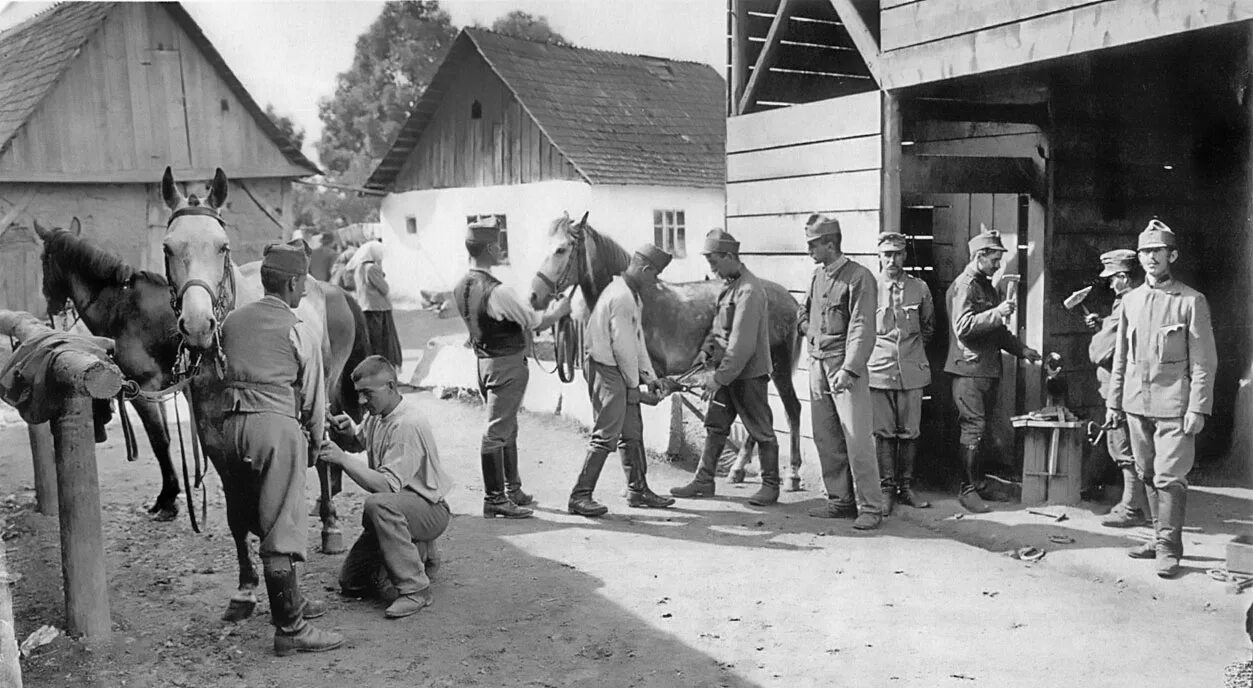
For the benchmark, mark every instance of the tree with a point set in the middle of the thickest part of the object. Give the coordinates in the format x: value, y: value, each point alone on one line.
x: 521, y: 24
x: 286, y: 126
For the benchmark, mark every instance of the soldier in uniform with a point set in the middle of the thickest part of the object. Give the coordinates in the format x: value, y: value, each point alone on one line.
x: 977, y: 335
x: 837, y: 319
x: 899, y: 370
x: 1162, y: 385
x: 1122, y: 270
x: 738, y: 351
x: 499, y: 323
x: 617, y: 364
x: 276, y: 404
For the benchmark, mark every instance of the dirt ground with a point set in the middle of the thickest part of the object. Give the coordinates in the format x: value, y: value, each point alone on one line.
x: 713, y: 593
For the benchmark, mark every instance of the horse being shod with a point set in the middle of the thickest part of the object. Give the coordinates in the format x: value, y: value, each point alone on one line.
x: 131, y: 307
x: 676, y: 317
x: 206, y: 285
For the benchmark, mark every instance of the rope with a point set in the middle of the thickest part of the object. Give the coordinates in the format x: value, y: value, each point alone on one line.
x: 191, y: 504
x: 565, y: 348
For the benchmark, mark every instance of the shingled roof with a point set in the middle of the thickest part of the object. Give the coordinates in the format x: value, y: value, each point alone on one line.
x: 618, y: 119
x: 35, y: 53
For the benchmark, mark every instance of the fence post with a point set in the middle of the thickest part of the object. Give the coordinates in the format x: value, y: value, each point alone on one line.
x: 41, y: 452
x: 10, y: 669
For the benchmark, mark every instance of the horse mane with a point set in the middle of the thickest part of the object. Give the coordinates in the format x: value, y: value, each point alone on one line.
x: 606, y: 259
x: 97, y: 264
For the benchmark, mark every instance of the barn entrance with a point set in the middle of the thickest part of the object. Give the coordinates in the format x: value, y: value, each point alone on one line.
x: 20, y: 271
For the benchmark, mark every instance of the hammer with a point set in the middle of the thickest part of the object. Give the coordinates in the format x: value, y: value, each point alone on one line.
x: 1056, y: 517
x: 1077, y: 299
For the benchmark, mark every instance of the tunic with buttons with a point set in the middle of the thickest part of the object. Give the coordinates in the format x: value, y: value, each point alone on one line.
x: 905, y: 323
x: 843, y: 298
x: 741, y: 330
x: 978, y: 332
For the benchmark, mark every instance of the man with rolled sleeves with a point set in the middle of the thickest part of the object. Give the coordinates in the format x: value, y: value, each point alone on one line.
x: 977, y: 335
x: 1162, y: 385
x: 837, y: 319
x: 1122, y: 269
x: 275, y: 412
x: 617, y: 364
x: 738, y: 350
x: 498, y: 322
x: 899, y: 370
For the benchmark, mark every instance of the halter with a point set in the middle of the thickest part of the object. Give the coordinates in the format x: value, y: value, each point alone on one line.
x: 572, y: 269
x: 221, y: 297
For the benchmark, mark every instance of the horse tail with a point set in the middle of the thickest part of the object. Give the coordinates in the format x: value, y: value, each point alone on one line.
x: 785, y: 357
x: 360, y: 350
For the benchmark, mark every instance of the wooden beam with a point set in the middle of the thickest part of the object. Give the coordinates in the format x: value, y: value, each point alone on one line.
x: 738, y: 17
x: 10, y: 667
x: 932, y: 174
x: 945, y: 110
x: 41, y: 454
x: 766, y: 57
x: 144, y: 176
x: 867, y: 43
x: 890, y: 187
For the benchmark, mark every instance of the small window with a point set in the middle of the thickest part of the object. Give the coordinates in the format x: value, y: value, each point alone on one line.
x: 411, y: 225
x: 670, y: 231
x: 504, y: 232
x: 476, y: 110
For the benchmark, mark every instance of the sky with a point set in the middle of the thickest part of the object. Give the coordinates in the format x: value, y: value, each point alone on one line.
x: 288, y: 52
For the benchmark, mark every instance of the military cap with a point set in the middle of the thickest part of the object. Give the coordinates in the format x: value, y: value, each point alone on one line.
x: 718, y: 241
x: 987, y: 238
x: 483, y: 231
x: 290, y: 258
x: 818, y: 226
x: 1116, y: 261
x: 1156, y: 235
x: 892, y: 241
x: 656, y: 257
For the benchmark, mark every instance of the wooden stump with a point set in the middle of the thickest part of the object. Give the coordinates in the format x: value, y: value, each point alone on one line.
x: 42, y: 454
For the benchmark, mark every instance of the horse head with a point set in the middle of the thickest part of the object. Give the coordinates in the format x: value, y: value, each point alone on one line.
x: 198, y: 260
x: 57, y: 284
x: 564, y: 260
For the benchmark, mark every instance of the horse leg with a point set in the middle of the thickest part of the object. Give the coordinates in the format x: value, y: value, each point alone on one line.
x: 332, y: 536
x: 792, y: 407
x: 152, y: 415
x: 736, y: 473
x: 244, y: 601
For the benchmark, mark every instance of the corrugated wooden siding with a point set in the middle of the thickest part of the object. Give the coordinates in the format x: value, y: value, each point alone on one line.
x: 785, y: 164
x: 139, y: 97
x: 504, y: 146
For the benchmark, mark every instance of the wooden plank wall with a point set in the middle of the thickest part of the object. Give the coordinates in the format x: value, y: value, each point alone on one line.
x: 140, y: 96
x: 785, y: 164
x: 504, y: 146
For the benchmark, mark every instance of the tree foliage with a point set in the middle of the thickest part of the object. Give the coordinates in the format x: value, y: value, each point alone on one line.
x: 521, y: 24
x: 285, y: 125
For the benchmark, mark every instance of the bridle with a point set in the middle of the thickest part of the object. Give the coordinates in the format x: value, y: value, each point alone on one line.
x: 574, y: 266
x: 221, y: 296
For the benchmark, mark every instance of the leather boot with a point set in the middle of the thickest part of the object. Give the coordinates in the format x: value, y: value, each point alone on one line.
x: 969, y: 496
x: 769, y: 492
x: 907, y: 452
x: 496, y: 503
x: 291, y: 632
x: 1148, y: 550
x: 1171, y: 504
x: 1130, y: 510
x: 702, y: 484
x: 513, y: 482
x: 635, y: 465
x: 581, y: 502
x: 885, y: 452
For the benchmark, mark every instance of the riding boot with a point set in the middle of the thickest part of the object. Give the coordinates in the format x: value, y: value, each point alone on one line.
x: 635, y: 465
x: 969, y: 496
x: 496, y: 502
x: 702, y: 484
x: 769, y: 492
x: 513, y: 481
x: 1130, y: 510
x: 907, y: 453
x: 885, y: 451
x: 1171, y: 504
x: 291, y: 632
x: 1148, y: 550
x: 581, y: 502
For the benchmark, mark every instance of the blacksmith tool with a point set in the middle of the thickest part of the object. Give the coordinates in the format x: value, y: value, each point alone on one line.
x: 1077, y: 299
x: 1056, y: 517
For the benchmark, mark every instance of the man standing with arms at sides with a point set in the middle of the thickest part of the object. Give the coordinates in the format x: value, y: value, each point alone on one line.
x: 1122, y: 270
x: 977, y: 335
x: 405, y: 511
x: 498, y: 322
x: 617, y: 365
x: 1162, y: 385
x: 275, y: 410
x: 738, y: 350
x: 837, y: 319
x: 899, y: 371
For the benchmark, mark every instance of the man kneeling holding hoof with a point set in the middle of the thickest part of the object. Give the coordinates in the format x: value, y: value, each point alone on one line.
x: 617, y: 365
x: 405, y: 511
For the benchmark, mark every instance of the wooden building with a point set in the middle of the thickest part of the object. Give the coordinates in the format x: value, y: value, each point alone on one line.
x: 525, y: 131
x: 96, y: 99
x: 1065, y: 124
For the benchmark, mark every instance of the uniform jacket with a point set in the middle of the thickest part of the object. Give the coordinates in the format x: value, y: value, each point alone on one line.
x: 977, y: 334
x: 615, y: 335
x: 741, y: 330
x: 903, y: 327
x: 842, y: 300
x: 490, y: 335
x: 1164, y: 357
x: 1101, y: 348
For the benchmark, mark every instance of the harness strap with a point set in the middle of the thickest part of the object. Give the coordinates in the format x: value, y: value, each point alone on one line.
x: 191, y: 504
x: 202, y: 210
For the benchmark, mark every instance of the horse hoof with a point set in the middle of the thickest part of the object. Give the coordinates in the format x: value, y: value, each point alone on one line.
x: 794, y: 484
x: 736, y: 475
x: 164, y: 514
x: 333, y: 542
x: 238, y: 610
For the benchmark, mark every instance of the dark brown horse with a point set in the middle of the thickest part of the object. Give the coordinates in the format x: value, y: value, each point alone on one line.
x: 131, y: 307
x: 677, y: 316
x: 207, y: 285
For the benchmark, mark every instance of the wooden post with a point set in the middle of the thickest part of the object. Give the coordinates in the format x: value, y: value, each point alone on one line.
x: 739, y: 57
x: 890, y: 181
x: 10, y: 670
x: 82, y: 538
x: 41, y: 452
